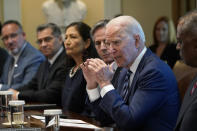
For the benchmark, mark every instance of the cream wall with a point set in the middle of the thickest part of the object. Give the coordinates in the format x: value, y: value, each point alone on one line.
x: 95, y: 11
x: 147, y: 13
x: 1, y: 10
x: 32, y: 15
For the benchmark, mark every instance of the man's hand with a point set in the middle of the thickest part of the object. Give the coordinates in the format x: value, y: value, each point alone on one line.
x: 101, y: 72
x: 89, y: 76
x: 15, y: 94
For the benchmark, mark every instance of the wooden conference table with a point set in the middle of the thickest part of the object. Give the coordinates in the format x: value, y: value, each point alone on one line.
x: 35, y: 123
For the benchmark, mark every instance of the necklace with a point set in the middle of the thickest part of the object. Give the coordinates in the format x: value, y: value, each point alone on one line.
x: 72, y: 71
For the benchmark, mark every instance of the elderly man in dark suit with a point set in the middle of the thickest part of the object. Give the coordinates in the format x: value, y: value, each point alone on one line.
x: 187, y: 43
x: 47, y: 83
x: 148, y: 99
x: 24, y: 61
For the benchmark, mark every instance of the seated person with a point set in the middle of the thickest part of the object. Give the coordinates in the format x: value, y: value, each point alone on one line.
x: 46, y: 85
x: 3, y: 56
x: 98, y: 37
x: 145, y: 98
x: 187, y: 41
x: 164, y: 41
x: 79, y: 47
x: 24, y: 59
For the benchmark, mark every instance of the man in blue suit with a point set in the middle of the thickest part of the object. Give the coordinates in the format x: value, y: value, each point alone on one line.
x: 148, y: 99
x: 23, y: 63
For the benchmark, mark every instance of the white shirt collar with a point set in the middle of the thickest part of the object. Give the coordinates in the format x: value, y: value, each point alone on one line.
x: 134, y: 66
x: 52, y: 60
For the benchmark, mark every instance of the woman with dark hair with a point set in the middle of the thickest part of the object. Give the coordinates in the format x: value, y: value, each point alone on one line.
x: 79, y: 47
x: 164, y: 37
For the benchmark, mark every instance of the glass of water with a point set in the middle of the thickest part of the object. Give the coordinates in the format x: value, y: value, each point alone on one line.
x: 16, y: 113
x: 5, y: 97
x: 52, y: 118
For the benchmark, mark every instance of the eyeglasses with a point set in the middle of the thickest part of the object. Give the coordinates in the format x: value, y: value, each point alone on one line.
x: 12, y: 36
x: 98, y: 43
x: 46, y: 39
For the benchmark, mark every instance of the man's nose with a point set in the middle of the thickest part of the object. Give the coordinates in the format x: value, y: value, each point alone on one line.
x: 103, y: 46
x: 43, y: 44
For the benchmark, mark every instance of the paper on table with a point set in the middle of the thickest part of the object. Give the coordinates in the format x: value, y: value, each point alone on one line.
x: 85, y: 125
x: 69, y: 122
x: 72, y: 121
x: 38, y: 117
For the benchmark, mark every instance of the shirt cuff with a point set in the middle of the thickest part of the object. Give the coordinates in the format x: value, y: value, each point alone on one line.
x: 106, y: 89
x: 1, y: 86
x: 93, y: 94
x: 17, y: 95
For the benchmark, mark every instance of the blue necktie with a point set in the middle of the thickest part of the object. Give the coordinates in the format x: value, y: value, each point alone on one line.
x: 125, y: 87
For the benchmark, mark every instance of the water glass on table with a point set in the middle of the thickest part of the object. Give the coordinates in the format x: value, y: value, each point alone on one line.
x: 16, y: 113
x: 52, y: 117
x: 5, y: 97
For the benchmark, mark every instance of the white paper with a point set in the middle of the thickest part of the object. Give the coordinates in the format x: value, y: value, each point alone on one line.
x: 68, y: 122
x: 38, y: 117
x: 72, y: 121
x: 90, y: 126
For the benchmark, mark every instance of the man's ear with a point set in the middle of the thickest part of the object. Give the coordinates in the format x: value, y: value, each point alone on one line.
x: 24, y: 35
x: 137, y: 41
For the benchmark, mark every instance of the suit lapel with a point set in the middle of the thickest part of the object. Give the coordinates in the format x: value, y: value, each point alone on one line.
x: 133, y: 88
x: 21, y: 59
x: 7, y: 67
x: 58, y: 62
x: 188, y: 100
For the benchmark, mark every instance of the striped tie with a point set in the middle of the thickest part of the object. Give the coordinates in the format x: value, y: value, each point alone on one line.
x: 125, y: 87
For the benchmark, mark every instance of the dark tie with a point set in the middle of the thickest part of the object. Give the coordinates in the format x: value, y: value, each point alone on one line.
x: 47, y: 70
x: 194, y: 87
x: 125, y: 87
x: 11, y: 70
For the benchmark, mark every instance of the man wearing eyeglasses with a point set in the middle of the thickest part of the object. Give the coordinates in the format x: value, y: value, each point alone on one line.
x: 24, y: 59
x: 45, y: 87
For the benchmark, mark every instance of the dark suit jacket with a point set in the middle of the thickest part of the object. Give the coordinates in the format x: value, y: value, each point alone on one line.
x: 3, y: 58
x: 152, y: 103
x: 28, y: 63
x: 188, y: 114
x: 46, y: 88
